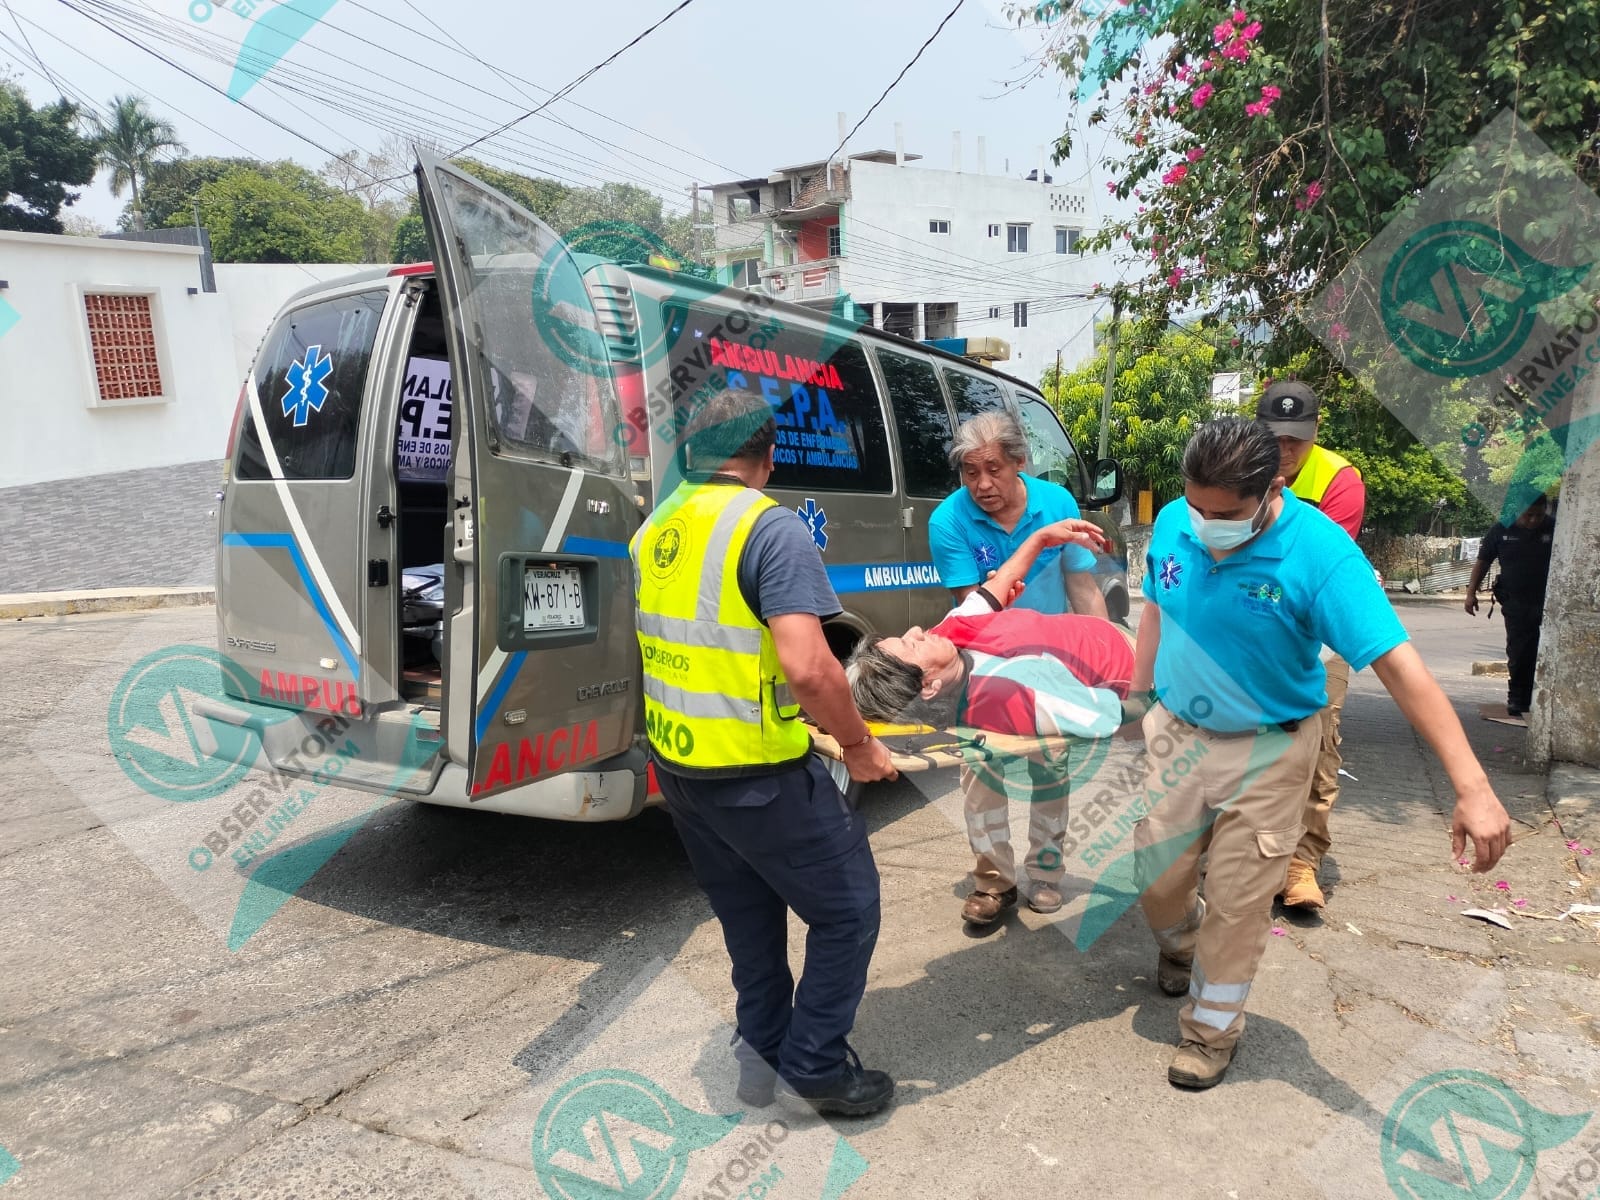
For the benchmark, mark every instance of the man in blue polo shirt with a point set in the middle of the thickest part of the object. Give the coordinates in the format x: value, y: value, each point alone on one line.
x: 1246, y: 583
x: 972, y: 532
x: 986, y: 520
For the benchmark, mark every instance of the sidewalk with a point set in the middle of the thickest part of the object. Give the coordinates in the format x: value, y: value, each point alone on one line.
x: 17, y: 605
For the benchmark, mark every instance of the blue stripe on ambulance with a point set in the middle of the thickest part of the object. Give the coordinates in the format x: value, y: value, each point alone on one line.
x: 285, y: 541
x: 882, y: 577
x: 497, y: 694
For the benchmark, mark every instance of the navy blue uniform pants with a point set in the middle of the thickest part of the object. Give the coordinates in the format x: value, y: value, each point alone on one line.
x: 760, y: 846
x: 1523, y: 618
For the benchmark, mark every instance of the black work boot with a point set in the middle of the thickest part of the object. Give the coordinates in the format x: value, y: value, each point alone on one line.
x: 853, y: 1092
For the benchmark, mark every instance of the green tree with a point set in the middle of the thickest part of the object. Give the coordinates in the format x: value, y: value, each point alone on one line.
x: 168, y: 193
x: 1162, y: 394
x: 1267, y: 144
x: 285, y: 215
x: 1249, y: 198
x: 409, y: 243
x: 42, y: 154
x: 129, y: 141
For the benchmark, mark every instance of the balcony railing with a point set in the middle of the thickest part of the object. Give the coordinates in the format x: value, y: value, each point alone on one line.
x: 803, y: 281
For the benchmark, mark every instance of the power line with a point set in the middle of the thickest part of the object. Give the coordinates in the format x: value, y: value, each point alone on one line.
x: 678, y: 8
x: 938, y: 29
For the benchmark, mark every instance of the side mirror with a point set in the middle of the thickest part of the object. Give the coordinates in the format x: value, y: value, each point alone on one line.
x: 1107, y: 487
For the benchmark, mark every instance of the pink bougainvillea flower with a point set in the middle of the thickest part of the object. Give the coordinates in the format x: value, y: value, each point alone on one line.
x: 1239, y: 15
x: 1176, y: 277
x: 1519, y: 904
x: 1270, y: 94
x: 1201, y: 95
x: 1453, y: 899
x: 1176, y: 175
x: 1150, y: 89
x: 1138, y: 138
x: 1314, y: 191
x: 1276, y: 932
x: 1222, y: 33
x: 1500, y: 885
x: 1195, y: 153
x: 1255, y: 108
x: 1184, y: 73
x: 1111, y: 186
x: 1238, y: 50
x: 1251, y: 31
x: 1341, y: 334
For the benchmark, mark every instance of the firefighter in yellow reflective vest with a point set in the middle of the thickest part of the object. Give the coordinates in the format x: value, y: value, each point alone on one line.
x: 731, y: 595
x: 1290, y: 411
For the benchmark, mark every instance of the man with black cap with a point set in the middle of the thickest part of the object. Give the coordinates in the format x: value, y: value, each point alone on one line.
x: 1317, y: 475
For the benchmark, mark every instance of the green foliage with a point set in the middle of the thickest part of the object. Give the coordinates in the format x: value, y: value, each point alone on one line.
x: 42, y: 154
x: 544, y: 198
x: 1162, y: 393
x: 410, y: 241
x: 281, y: 214
x: 171, y: 187
x: 128, y: 142
x: 1369, y: 111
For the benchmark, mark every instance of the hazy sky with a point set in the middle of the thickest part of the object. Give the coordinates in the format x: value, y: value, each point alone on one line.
x: 723, y: 90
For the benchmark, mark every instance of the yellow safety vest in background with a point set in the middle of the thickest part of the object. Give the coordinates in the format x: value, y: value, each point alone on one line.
x: 1316, y: 474
x: 712, y: 682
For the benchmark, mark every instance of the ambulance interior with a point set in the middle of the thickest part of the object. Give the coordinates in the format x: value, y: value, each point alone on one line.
x: 422, y: 463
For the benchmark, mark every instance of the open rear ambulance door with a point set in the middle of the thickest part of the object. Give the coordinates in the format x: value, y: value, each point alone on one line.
x: 541, y: 661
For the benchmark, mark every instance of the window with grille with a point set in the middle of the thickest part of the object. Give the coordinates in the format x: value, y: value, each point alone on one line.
x: 994, y: 311
x: 834, y: 244
x: 122, y: 341
x: 1019, y: 314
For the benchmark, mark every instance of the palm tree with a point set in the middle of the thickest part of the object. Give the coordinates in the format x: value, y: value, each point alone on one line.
x: 128, y: 144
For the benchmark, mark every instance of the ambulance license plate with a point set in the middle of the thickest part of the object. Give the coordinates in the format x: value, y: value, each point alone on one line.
x: 552, y: 599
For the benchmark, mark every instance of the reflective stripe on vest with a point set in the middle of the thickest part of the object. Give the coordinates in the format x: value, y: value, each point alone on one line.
x: 715, y: 697
x: 1316, y: 474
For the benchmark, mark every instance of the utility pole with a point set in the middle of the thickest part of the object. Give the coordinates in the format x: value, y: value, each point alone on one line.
x: 694, y: 220
x: 1111, y: 373
x: 1058, y: 377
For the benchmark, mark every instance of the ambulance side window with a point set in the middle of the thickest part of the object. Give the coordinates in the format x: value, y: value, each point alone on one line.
x: 923, y: 423
x: 972, y: 394
x: 310, y: 376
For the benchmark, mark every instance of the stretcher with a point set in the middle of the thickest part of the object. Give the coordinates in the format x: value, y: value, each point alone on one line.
x: 915, y: 748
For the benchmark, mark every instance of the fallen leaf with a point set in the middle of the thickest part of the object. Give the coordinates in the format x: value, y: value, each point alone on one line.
x: 1488, y: 915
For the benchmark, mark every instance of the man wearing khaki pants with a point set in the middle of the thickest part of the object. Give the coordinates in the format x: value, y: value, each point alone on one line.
x: 1245, y: 584
x: 1290, y: 411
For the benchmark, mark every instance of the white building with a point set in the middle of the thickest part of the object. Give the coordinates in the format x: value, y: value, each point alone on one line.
x: 114, y: 358
x: 928, y: 253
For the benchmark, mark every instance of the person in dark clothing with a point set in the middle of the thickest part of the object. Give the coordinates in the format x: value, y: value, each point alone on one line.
x: 1523, y: 548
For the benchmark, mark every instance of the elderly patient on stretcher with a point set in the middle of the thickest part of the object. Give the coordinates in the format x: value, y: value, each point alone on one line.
x: 1010, y: 671
x: 989, y: 666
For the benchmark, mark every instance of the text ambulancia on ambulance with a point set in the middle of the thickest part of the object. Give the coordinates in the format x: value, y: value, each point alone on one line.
x: 435, y: 471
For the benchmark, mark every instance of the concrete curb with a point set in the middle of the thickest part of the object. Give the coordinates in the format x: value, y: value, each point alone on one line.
x: 18, y: 605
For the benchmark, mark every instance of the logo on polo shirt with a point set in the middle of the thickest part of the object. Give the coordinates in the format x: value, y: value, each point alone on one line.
x: 1261, y: 597
x: 1171, y: 572
x: 988, y: 555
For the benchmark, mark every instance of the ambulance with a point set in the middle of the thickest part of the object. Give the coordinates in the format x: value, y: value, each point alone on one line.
x: 434, y: 472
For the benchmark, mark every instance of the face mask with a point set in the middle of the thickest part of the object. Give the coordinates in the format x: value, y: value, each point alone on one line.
x: 1225, y: 535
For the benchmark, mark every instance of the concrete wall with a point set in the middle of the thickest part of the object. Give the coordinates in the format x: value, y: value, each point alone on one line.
x: 59, y: 426
x: 1564, y: 725
x: 890, y: 256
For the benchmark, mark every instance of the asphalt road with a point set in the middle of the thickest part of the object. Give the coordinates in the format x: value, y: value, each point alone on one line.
x: 461, y: 1004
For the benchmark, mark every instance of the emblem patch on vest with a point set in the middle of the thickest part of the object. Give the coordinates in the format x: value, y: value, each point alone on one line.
x: 666, y: 552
